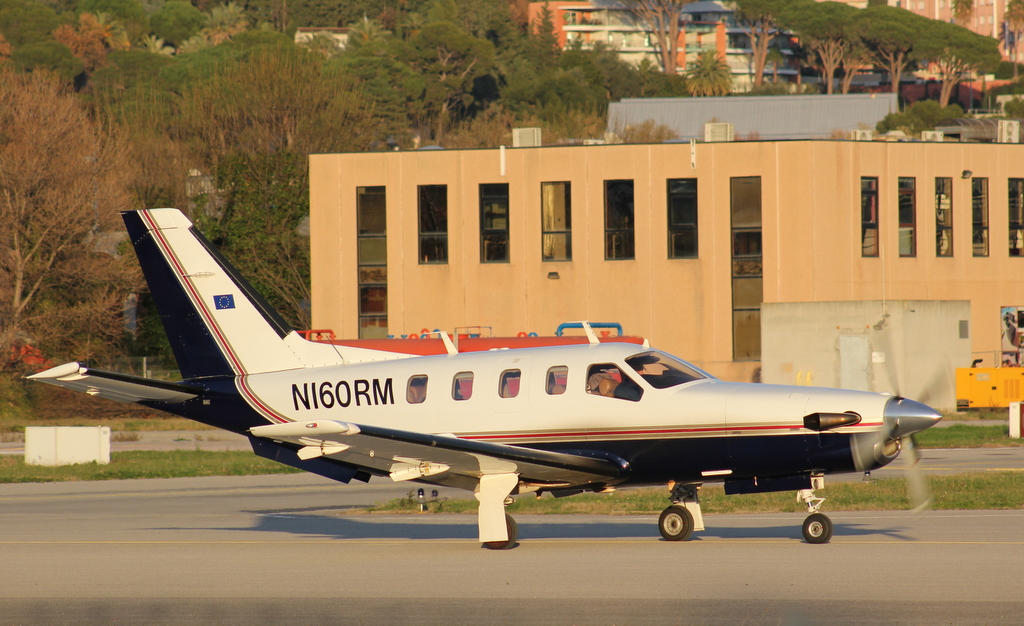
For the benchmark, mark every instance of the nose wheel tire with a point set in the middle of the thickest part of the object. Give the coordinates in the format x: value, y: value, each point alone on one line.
x: 675, y: 523
x: 817, y: 528
x: 513, y: 533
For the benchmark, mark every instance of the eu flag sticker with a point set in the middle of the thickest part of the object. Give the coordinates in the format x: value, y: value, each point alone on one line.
x: 224, y: 302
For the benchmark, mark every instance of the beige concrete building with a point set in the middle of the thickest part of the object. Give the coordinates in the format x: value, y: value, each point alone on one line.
x: 680, y: 243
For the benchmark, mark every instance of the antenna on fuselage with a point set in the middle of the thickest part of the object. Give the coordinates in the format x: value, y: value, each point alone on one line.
x: 448, y: 345
x: 591, y: 335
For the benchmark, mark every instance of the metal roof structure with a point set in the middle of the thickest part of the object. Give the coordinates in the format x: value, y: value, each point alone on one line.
x: 757, y: 117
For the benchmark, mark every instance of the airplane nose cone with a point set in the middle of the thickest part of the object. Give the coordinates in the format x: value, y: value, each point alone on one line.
x: 906, y: 417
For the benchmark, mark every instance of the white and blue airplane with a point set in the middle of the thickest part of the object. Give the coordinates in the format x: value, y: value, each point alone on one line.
x: 563, y: 419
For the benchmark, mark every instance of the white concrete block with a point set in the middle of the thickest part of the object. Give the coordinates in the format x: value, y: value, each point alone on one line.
x: 1015, y: 420
x: 67, y: 445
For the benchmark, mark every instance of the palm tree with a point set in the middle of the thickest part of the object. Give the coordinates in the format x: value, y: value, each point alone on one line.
x: 324, y: 44
x: 366, y: 31
x: 154, y: 44
x: 224, y: 22
x: 775, y: 58
x: 710, y: 76
x: 110, y: 30
x: 1015, y: 22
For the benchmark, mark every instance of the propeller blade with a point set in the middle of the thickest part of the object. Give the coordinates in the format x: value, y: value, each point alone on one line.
x: 917, y: 484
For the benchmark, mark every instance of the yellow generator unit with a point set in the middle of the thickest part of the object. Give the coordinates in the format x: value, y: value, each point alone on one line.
x: 988, y: 387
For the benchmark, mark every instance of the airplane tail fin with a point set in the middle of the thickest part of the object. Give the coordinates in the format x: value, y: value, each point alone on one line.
x: 217, y: 323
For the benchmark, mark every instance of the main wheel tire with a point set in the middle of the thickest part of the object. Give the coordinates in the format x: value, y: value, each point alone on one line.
x: 817, y: 528
x: 675, y: 523
x: 513, y: 534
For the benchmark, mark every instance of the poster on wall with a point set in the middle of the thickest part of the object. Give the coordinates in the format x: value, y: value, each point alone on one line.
x: 1011, y: 326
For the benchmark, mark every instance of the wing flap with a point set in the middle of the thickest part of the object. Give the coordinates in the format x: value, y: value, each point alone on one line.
x: 113, y: 386
x: 406, y: 455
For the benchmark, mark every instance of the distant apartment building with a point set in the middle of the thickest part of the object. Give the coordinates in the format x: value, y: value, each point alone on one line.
x: 706, y: 25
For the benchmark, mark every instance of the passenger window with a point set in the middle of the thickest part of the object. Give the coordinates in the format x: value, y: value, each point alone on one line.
x: 606, y: 379
x: 462, y: 386
x: 556, y: 380
x: 508, y: 385
x: 417, y: 391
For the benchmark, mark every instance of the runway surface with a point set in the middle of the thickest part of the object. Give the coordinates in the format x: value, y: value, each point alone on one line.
x: 288, y: 549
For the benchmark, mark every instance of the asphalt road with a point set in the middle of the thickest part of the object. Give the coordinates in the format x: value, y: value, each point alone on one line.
x: 288, y: 549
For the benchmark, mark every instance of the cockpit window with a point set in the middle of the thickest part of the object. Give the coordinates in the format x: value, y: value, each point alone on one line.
x: 663, y: 371
x: 606, y: 379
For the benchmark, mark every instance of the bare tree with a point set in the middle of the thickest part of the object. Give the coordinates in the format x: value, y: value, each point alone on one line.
x: 62, y: 184
x: 662, y: 18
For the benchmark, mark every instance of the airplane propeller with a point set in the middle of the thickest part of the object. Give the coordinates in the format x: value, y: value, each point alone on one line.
x: 904, y: 418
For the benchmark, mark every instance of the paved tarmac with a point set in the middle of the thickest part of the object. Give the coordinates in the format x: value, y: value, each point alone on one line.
x: 288, y: 549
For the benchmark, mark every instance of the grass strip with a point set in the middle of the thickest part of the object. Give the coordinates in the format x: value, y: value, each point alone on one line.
x: 977, y: 490
x: 144, y: 464
x: 967, y: 436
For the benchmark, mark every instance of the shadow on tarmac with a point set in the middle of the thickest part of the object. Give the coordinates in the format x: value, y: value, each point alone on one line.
x: 451, y: 526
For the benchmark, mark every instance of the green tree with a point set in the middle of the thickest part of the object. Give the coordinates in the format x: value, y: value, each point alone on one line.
x: 176, y: 21
x: 47, y: 55
x: 920, y: 116
x: 890, y: 33
x: 239, y: 118
x: 760, y: 21
x: 710, y: 76
x: 24, y: 22
x: 827, y: 28
x: 1015, y: 22
x: 957, y: 53
x: 129, y: 13
x: 450, y: 60
x: 224, y: 22
x: 962, y: 11
x: 662, y: 19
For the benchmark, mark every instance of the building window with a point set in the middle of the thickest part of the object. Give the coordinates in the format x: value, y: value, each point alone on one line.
x: 433, y: 209
x: 1016, y: 207
x: 943, y: 217
x: 494, y: 223
x: 907, y: 203
x: 682, y: 218
x: 747, y: 268
x: 556, y: 221
x: 869, y: 216
x: 618, y: 219
x: 979, y: 215
x: 372, y: 261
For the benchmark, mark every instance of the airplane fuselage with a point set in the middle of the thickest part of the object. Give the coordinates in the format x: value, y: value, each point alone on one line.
x: 701, y: 430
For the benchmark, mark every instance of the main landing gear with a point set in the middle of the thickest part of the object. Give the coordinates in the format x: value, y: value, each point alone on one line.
x: 678, y: 521
x: 817, y: 527
x: 513, y: 532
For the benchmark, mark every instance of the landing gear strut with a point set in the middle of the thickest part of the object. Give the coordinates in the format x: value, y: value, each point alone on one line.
x: 817, y: 528
x: 678, y: 521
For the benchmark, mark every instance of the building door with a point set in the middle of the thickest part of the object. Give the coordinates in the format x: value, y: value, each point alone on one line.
x: 854, y: 362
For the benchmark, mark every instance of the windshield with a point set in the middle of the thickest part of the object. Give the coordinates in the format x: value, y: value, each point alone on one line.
x: 663, y: 371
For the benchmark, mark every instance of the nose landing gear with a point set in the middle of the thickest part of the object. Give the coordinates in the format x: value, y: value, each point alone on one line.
x: 817, y: 527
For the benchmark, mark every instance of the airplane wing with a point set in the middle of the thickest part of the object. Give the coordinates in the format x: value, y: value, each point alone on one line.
x: 441, y: 459
x: 112, y: 386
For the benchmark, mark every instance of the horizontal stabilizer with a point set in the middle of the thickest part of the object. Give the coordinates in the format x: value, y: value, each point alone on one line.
x: 112, y: 386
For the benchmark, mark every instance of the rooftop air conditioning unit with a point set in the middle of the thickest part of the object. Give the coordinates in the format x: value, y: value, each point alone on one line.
x: 932, y: 135
x: 1008, y: 131
x: 526, y: 138
x: 718, y: 131
x: 861, y: 134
